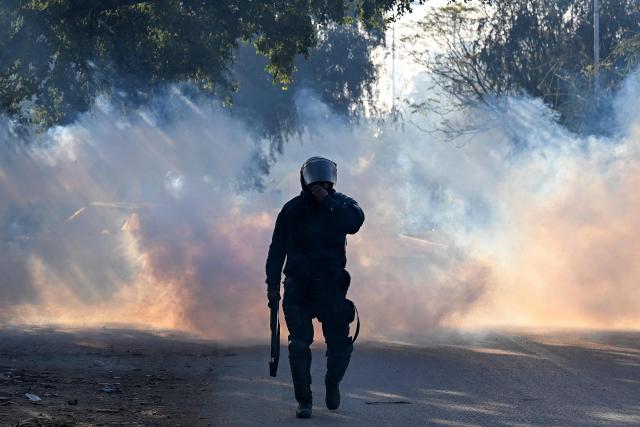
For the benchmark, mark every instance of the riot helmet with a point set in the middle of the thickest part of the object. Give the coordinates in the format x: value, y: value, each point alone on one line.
x: 318, y: 169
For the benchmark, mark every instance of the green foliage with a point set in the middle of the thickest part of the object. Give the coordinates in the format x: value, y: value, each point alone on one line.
x: 339, y: 71
x: 543, y: 48
x: 57, y: 55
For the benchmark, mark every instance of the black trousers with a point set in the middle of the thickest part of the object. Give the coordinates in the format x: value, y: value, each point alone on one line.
x: 322, y: 297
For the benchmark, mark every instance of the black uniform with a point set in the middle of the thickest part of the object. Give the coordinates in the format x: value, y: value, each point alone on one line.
x: 312, y: 237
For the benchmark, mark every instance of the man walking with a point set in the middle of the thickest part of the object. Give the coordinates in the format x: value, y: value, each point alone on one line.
x: 310, y: 232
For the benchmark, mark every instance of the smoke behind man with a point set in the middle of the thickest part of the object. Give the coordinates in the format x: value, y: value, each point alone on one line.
x: 310, y: 232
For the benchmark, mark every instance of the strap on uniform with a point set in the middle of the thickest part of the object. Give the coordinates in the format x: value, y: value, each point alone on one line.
x: 355, y: 336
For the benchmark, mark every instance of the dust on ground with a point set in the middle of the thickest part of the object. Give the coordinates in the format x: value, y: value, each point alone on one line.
x: 105, y: 377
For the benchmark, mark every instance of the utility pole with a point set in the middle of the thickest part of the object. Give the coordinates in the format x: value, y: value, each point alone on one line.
x: 393, y: 67
x: 596, y: 50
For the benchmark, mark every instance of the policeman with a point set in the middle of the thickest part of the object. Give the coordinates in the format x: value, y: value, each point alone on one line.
x: 310, y: 232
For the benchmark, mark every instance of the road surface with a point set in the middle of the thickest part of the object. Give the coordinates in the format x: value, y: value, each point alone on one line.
x: 498, y: 379
x: 491, y: 379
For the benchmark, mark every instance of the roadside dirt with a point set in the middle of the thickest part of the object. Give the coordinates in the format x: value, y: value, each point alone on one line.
x: 104, y: 378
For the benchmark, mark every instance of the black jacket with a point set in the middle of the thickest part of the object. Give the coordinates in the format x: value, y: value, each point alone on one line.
x: 312, y: 235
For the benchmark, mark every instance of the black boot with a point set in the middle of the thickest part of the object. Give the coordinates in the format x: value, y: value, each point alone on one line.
x: 332, y: 395
x: 337, y: 362
x: 300, y: 362
x: 304, y: 410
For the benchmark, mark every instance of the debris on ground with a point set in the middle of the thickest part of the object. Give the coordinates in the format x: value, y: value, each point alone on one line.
x: 108, y: 389
x: 31, y: 422
x: 134, y: 379
x: 33, y: 397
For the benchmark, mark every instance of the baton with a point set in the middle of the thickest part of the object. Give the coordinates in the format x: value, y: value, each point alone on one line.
x: 275, y: 340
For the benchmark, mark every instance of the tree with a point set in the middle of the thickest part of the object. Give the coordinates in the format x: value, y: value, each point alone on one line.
x: 543, y: 48
x: 339, y: 71
x: 57, y: 55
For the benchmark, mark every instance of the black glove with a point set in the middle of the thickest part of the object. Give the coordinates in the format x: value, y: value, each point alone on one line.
x: 274, y: 298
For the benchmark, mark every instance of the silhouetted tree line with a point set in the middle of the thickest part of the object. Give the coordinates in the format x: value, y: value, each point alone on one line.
x: 56, y: 56
x: 542, y: 48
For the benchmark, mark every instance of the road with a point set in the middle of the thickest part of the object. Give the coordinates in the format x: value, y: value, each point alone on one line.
x: 160, y: 379
x: 498, y: 379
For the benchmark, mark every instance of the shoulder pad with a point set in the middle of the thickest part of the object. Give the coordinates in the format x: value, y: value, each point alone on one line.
x: 293, y: 208
x: 292, y: 203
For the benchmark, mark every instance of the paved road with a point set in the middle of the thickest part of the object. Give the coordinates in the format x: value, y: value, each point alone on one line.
x: 499, y: 379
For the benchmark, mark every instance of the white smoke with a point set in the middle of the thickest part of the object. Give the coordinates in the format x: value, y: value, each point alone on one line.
x: 148, y: 219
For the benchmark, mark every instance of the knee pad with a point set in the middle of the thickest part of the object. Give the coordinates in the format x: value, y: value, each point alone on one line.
x: 299, y: 349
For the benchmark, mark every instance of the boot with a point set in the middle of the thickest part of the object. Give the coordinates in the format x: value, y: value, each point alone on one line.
x: 337, y: 362
x: 304, y: 410
x: 300, y: 362
x: 332, y: 394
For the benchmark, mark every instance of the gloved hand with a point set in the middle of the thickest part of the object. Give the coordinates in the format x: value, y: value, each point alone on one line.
x: 319, y: 191
x: 274, y: 297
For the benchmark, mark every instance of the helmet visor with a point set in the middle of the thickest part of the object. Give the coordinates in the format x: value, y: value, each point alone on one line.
x: 319, y: 169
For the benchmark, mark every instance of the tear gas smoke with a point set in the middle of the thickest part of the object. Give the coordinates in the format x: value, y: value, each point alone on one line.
x: 150, y: 220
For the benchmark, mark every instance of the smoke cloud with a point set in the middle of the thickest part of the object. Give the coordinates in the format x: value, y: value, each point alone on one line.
x: 153, y: 219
